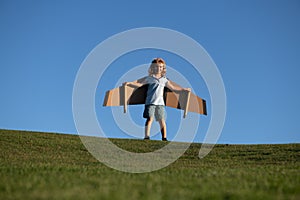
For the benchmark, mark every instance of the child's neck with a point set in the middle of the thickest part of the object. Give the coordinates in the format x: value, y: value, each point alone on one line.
x: 157, y: 75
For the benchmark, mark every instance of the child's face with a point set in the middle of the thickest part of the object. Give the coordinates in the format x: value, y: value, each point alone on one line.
x: 158, y: 68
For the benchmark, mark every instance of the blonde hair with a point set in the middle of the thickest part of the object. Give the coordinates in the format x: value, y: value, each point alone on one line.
x: 154, y: 62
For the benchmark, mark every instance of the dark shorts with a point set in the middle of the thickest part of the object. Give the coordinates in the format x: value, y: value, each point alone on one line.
x: 154, y: 111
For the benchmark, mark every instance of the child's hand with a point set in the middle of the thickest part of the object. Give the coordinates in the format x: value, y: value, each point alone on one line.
x: 187, y: 89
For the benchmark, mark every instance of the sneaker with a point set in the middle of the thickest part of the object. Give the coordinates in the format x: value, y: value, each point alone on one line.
x: 164, y: 139
x: 147, y: 138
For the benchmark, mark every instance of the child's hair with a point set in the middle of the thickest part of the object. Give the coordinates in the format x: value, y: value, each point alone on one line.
x: 154, y: 62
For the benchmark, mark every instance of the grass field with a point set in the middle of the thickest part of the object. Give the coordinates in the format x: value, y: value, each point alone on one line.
x: 37, y: 165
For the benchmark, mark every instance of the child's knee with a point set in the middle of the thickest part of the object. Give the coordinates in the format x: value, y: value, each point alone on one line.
x: 162, y: 123
x: 149, y: 121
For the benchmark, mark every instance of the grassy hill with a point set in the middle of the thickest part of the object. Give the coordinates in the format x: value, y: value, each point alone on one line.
x: 36, y: 165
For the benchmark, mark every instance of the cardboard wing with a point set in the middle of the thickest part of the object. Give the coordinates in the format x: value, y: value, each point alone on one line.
x: 127, y: 95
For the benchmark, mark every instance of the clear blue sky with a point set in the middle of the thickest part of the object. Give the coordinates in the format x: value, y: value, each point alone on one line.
x: 255, y: 44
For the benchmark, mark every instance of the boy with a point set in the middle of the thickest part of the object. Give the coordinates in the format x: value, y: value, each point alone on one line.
x: 154, y: 105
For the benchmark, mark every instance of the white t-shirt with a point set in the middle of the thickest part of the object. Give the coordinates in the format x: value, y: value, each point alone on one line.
x: 155, y: 93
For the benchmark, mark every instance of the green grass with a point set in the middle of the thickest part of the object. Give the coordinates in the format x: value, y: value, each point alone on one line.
x: 37, y: 165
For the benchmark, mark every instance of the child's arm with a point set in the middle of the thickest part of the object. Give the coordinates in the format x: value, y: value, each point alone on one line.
x: 176, y: 88
x: 133, y: 84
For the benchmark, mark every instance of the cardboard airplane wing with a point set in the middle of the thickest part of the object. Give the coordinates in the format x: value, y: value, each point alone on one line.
x: 127, y: 95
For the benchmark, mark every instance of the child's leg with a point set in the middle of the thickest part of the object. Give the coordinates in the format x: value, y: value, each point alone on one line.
x: 163, y: 128
x: 148, y: 126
